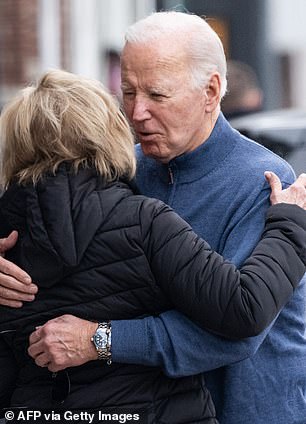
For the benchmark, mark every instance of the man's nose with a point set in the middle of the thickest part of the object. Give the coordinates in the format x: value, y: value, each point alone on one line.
x: 140, y: 110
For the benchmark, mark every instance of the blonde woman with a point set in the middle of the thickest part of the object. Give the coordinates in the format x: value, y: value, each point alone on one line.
x: 101, y: 252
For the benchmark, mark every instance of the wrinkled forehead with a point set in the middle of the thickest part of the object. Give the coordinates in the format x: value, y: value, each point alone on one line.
x: 153, y: 56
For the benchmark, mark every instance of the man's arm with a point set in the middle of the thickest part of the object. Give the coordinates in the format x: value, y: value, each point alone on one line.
x: 169, y: 341
x: 176, y: 344
x: 16, y: 285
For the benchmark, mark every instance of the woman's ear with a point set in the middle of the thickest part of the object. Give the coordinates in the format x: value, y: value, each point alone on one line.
x: 212, y: 93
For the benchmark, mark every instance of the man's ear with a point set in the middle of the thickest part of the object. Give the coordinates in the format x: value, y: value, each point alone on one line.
x: 212, y: 93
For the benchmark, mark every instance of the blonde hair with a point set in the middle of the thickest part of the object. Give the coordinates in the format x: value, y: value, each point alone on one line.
x: 64, y: 117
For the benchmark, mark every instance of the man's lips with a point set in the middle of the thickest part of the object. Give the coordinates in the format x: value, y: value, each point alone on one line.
x: 145, y: 135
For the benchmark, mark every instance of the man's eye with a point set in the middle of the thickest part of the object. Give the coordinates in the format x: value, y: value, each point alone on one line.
x: 128, y: 93
x: 157, y: 95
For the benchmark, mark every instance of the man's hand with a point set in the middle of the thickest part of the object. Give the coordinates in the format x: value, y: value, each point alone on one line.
x: 63, y: 342
x: 295, y: 194
x: 15, y: 284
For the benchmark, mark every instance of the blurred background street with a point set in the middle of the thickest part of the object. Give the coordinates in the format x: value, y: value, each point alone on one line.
x: 86, y: 37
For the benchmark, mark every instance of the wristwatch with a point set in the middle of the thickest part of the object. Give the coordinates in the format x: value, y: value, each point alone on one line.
x: 102, y: 341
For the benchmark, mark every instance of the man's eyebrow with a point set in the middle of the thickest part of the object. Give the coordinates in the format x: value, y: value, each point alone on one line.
x: 126, y: 85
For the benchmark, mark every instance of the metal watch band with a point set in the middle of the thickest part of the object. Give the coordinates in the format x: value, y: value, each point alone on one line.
x: 104, y: 353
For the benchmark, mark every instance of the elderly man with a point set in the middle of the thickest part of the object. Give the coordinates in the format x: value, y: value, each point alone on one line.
x: 173, y: 79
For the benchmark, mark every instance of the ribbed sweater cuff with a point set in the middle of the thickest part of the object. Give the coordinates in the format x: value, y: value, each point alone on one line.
x: 128, y: 341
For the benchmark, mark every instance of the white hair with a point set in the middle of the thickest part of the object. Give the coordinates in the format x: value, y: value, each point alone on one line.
x: 203, y: 46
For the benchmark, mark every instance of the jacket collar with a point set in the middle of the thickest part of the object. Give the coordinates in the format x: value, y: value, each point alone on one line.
x: 205, y: 158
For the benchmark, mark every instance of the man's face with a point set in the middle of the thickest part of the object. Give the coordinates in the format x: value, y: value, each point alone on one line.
x: 167, y: 114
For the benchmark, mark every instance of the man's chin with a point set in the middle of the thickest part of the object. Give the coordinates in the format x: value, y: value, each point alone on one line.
x: 153, y: 153
x: 156, y: 156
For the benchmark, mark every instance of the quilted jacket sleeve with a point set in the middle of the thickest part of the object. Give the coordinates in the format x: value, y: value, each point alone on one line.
x: 213, y: 292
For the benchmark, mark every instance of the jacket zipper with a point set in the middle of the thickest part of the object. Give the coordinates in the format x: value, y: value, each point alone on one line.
x: 170, y: 173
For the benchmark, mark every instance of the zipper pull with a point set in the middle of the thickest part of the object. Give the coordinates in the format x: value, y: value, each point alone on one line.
x: 171, y: 179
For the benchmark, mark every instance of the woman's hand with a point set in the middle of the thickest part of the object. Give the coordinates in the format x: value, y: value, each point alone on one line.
x: 15, y: 284
x: 295, y: 194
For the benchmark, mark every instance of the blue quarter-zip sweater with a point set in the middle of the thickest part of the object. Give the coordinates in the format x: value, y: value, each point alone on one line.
x: 220, y: 189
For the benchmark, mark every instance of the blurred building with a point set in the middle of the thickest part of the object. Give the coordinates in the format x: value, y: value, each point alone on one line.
x: 86, y: 36
x: 31, y: 36
x: 268, y: 35
x: 80, y: 36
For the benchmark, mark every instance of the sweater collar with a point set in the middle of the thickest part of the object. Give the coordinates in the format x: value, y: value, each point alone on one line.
x: 205, y: 158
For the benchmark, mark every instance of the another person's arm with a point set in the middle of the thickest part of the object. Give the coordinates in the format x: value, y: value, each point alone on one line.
x: 159, y: 341
x: 213, y: 292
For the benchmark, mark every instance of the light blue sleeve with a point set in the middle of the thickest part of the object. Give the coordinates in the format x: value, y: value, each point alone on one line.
x: 172, y: 341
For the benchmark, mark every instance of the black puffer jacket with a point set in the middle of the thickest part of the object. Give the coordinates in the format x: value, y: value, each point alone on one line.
x: 100, y: 252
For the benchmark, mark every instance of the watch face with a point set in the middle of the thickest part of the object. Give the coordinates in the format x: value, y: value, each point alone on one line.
x: 100, y: 339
